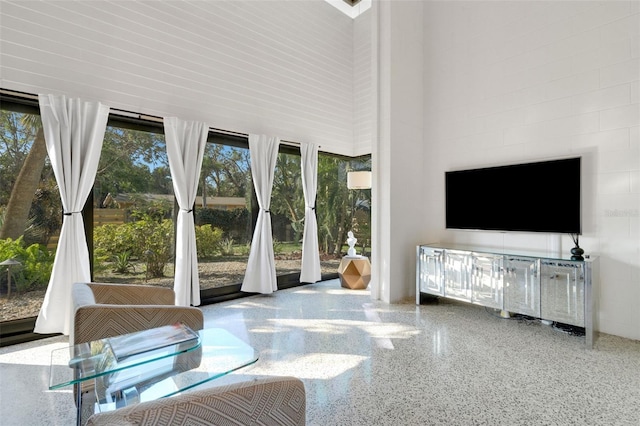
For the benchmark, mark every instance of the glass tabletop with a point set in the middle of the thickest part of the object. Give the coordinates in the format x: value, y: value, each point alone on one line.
x: 150, y: 375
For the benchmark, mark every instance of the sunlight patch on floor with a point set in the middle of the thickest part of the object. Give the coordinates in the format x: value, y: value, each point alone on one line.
x: 253, y: 304
x: 305, y: 291
x: 316, y: 365
x: 374, y: 329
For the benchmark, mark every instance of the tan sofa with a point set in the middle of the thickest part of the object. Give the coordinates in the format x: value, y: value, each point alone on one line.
x: 277, y: 401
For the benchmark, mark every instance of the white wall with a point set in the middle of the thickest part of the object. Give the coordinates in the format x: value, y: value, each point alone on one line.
x: 278, y: 67
x: 363, y: 83
x: 509, y: 82
x: 398, y: 153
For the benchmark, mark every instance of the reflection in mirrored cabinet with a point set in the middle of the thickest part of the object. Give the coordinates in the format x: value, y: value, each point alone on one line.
x: 486, y: 280
x: 457, y: 282
x: 562, y: 292
x: 521, y: 286
x: 429, y: 270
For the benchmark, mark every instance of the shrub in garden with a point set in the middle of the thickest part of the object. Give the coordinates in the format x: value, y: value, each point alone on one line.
x: 277, y: 246
x: 234, y: 223
x: 110, y: 239
x: 122, y: 262
x: 153, y: 243
x: 147, y: 239
x: 208, y: 241
x: 245, y: 250
x: 226, y: 247
x: 36, y: 264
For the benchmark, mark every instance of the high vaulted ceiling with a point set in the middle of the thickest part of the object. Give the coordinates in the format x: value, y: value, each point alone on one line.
x: 351, y: 8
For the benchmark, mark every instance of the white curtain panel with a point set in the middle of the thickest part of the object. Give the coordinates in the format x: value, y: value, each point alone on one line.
x: 73, y: 131
x: 310, y: 271
x: 260, y: 276
x: 186, y: 142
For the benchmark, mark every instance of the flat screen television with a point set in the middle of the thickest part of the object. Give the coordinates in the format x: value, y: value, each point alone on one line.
x: 531, y: 197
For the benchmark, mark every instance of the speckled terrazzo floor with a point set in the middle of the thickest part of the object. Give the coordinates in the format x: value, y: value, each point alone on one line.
x: 364, y: 362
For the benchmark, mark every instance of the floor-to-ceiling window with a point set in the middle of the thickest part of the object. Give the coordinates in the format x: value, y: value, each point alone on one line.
x: 130, y: 218
x: 133, y: 208
x: 341, y: 210
x: 30, y: 213
x: 287, y: 212
x: 223, y: 215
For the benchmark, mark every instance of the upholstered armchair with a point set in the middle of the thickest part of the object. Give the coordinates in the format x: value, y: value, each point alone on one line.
x: 107, y: 310
x: 276, y: 401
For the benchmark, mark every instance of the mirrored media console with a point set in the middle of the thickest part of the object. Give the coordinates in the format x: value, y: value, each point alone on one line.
x: 539, y: 285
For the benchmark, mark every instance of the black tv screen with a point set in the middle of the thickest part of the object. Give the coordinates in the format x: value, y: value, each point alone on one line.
x: 533, y: 197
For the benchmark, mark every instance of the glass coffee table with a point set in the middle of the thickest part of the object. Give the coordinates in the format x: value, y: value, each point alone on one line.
x: 103, y: 383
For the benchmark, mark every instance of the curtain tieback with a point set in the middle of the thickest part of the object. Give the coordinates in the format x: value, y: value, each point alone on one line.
x: 266, y: 211
x: 185, y: 210
x: 70, y: 213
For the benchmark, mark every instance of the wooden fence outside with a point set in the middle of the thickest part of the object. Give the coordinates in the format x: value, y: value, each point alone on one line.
x: 109, y: 216
x: 100, y: 217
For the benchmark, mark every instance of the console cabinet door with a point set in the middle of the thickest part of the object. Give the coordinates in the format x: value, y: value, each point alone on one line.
x: 457, y: 268
x: 522, y: 286
x: 562, y: 292
x: 430, y: 271
x: 486, y: 280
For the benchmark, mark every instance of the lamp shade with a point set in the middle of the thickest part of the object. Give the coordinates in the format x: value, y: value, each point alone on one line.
x: 359, y: 180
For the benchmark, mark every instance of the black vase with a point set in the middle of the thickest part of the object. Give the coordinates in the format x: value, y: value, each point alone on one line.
x: 576, y: 253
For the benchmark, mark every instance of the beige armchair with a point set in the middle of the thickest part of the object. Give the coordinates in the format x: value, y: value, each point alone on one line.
x: 107, y: 310
x: 277, y: 401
